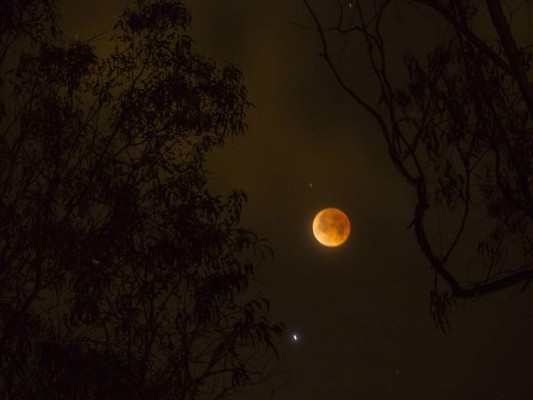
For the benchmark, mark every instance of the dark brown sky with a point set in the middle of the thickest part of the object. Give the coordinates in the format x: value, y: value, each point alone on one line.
x: 362, y: 309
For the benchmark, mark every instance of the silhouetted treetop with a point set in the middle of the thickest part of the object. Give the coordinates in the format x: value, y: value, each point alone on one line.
x: 121, y: 275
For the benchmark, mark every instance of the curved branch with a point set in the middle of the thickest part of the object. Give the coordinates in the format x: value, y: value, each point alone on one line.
x: 494, y: 286
x: 425, y: 246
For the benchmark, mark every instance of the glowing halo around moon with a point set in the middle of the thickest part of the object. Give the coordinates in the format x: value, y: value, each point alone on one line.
x: 331, y: 227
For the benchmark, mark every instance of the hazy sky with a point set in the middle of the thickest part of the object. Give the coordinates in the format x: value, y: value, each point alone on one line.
x: 361, y: 310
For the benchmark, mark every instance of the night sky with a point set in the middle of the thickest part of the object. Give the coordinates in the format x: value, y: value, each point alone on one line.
x: 361, y: 311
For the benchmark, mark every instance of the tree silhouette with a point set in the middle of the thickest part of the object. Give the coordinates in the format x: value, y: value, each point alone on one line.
x: 121, y: 276
x: 459, y: 129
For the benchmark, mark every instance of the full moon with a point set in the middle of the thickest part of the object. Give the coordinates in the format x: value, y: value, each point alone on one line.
x: 331, y: 227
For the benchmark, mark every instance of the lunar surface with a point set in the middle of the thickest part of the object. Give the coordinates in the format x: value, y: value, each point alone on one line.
x: 331, y: 227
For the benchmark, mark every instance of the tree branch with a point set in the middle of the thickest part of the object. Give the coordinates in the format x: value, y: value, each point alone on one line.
x: 503, y: 283
x: 325, y: 55
x: 470, y: 36
x: 509, y: 46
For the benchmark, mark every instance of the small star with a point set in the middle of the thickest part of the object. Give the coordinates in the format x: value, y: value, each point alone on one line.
x: 295, y: 337
x: 311, y: 185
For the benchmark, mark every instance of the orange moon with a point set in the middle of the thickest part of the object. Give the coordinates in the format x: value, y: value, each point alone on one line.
x: 331, y: 227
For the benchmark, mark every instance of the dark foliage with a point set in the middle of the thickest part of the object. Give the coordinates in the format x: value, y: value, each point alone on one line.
x: 121, y: 276
x: 459, y: 129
